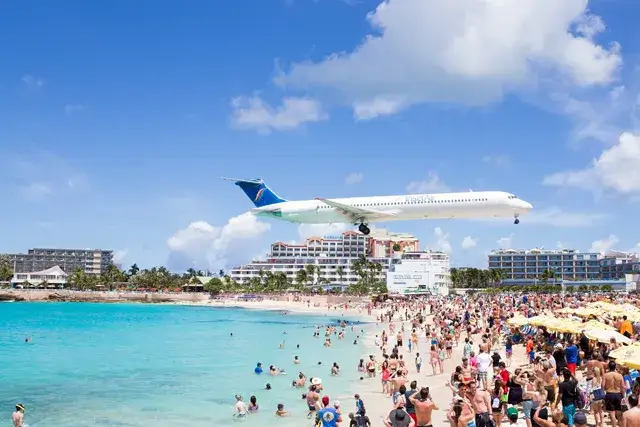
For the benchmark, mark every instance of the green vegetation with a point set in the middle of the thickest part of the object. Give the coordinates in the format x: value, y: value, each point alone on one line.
x: 6, y: 269
x: 161, y: 279
x: 475, y: 278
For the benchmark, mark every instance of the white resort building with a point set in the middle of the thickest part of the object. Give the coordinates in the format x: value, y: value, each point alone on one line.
x: 331, y: 255
x: 427, y: 272
x: 51, y: 278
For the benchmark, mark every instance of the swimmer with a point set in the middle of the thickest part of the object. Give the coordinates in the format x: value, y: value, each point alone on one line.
x: 253, y: 404
x: 258, y: 368
x: 296, y: 360
x: 281, y: 412
x: 335, y: 369
x: 18, y: 416
x: 282, y: 345
x: 241, y: 410
x: 267, y: 387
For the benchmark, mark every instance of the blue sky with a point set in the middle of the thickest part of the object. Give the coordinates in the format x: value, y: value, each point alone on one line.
x: 117, y: 118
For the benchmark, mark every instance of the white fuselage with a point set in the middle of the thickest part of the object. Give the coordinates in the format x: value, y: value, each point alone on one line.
x: 482, y: 204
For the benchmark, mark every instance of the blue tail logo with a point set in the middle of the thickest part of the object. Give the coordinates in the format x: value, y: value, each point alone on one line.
x: 258, y: 192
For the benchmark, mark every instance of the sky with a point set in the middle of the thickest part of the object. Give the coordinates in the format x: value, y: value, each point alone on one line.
x: 118, y: 118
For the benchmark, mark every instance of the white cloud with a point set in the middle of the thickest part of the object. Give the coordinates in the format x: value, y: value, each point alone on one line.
x: 470, y: 52
x: 505, y: 242
x: 499, y: 160
x: 601, y: 118
x: 320, y: 230
x: 433, y: 184
x: 255, y: 113
x: 354, y: 178
x: 442, y: 242
x: 616, y: 169
x: 469, y: 242
x: 73, y: 108
x: 36, y: 191
x: 32, y: 82
x: 604, y: 245
x: 120, y: 255
x: 214, y: 247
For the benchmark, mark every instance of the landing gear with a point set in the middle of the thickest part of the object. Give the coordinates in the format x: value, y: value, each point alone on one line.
x: 364, y: 229
x: 516, y: 220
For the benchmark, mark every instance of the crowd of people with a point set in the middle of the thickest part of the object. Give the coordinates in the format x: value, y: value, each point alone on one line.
x: 533, y: 377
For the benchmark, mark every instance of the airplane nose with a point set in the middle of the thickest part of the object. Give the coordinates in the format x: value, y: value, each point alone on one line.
x: 527, y: 205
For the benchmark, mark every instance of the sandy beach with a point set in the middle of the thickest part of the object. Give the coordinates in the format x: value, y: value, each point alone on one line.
x: 379, y: 405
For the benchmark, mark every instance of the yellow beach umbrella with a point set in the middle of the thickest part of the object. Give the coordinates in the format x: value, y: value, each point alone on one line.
x: 565, y: 325
x: 605, y: 336
x: 517, y: 321
x: 621, y: 352
x: 594, y: 324
x: 541, y: 320
x: 628, y: 356
x: 586, y: 312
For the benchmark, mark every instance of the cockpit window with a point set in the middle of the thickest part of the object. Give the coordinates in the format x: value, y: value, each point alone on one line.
x: 511, y: 196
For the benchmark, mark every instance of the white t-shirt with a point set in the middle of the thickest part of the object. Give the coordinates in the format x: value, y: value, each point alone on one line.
x: 484, y: 362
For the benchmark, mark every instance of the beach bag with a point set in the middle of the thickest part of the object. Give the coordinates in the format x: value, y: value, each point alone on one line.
x: 580, y: 398
x: 597, y: 394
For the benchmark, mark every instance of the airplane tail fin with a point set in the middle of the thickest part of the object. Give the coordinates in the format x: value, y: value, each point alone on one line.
x: 257, y: 191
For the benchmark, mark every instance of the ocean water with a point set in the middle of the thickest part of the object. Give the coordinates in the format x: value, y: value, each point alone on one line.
x: 132, y: 365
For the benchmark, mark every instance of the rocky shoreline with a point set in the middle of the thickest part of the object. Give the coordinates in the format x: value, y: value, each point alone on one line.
x: 97, y: 297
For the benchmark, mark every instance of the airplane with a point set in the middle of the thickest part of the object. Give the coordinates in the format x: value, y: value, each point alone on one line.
x: 362, y: 211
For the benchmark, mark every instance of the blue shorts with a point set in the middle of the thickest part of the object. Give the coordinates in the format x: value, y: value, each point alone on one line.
x: 569, y: 411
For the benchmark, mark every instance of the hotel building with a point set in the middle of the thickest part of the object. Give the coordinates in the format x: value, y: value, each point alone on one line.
x: 614, y: 265
x: 331, y: 255
x: 427, y: 272
x: 91, y: 261
x: 527, y: 266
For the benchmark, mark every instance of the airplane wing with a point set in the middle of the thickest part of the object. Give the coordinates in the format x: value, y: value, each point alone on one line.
x: 356, y: 214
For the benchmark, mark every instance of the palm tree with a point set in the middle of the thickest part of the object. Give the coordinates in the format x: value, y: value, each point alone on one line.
x: 311, y: 273
x: 301, y: 277
x: 340, y: 272
x: 455, y: 277
x: 496, y: 276
x: 133, y: 270
x: 6, y: 269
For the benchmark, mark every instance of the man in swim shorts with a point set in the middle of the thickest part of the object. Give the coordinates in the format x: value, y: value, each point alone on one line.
x: 614, y: 392
x: 312, y: 397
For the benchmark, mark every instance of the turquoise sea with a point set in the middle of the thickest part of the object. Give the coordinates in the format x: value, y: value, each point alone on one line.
x: 123, y: 365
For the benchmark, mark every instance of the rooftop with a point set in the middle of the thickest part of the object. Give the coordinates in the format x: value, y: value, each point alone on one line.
x: 535, y: 251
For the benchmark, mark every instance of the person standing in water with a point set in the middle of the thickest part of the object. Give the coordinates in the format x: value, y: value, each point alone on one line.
x: 18, y: 416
